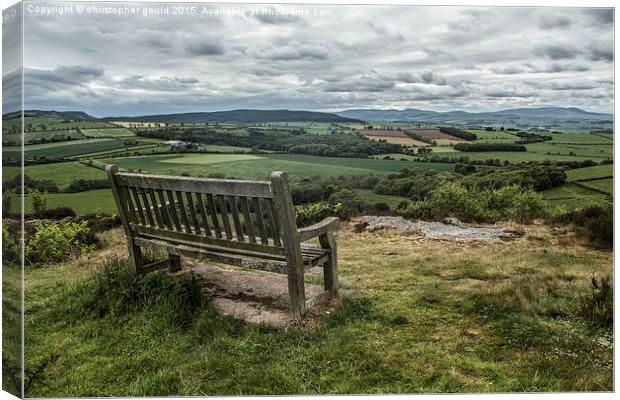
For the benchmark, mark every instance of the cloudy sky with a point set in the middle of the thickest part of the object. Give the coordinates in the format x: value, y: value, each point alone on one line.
x: 437, y: 58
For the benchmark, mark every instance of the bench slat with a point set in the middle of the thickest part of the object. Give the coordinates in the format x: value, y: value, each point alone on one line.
x: 235, y: 216
x: 221, y: 243
x: 258, y: 213
x: 247, y: 220
x: 147, y: 207
x: 275, y: 228
x: 203, y: 213
x: 136, y: 199
x: 196, y: 185
x: 158, y: 218
x: 172, y: 209
x: 163, y: 209
x: 183, y: 213
x: 192, y: 212
x: 224, y: 214
x: 214, y: 219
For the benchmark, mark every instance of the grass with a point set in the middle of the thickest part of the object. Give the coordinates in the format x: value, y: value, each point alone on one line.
x: 372, y: 197
x: 588, y: 173
x: 108, y: 132
x: 251, y: 166
x: 60, y: 173
x: 572, y: 195
x: 59, y: 150
x: 433, y: 317
x: 82, y: 202
x: 605, y: 185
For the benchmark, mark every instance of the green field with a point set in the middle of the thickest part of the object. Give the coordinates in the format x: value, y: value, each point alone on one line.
x: 61, y: 174
x: 82, y: 202
x: 251, y: 166
x: 109, y: 132
x: 605, y: 185
x: 594, y: 152
x: 572, y: 195
x: 59, y: 150
x: 594, y: 172
x: 493, y: 136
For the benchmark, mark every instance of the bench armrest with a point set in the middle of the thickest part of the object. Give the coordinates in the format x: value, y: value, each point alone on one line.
x: 318, y: 229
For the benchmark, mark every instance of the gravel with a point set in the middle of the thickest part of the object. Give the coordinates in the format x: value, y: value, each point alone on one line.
x: 454, y: 230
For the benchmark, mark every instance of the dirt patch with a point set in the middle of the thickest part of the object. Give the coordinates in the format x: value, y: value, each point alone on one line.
x: 254, y: 296
x: 454, y: 230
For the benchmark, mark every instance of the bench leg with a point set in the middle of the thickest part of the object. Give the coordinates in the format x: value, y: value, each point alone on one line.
x: 330, y: 268
x: 175, y: 263
x: 296, y: 291
x: 136, y: 261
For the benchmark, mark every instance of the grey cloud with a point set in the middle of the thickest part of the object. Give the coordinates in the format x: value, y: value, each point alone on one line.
x: 293, y: 51
x: 430, y: 77
x: 158, y: 84
x: 361, y: 83
x: 274, y: 16
x: 554, y: 22
x: 601, y: 15
x: 601, y: 52
x: 206, y: 47
x: 461, y: 57
x: 556, y: 51
x: 65, y: 75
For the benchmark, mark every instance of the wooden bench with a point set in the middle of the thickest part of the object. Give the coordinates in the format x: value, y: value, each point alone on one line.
x: 246, y: 223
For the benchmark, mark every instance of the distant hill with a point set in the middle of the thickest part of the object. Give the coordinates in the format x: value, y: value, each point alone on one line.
x: 416, y: 114
x: 79, y: 115
x: 239, y: 116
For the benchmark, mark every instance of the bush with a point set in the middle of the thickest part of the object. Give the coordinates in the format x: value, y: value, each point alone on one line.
x: 55, y: 242
x: 39, y: 201
x: 8, y: 202
x: 10, y: 247
x: 593, y: 223
x: 54, y: 213
x: 312, y: 213
x: 115, y: 290
x: 82, y: 185
x: 467, y: 147
x: 454, y: 200
x: 598, y: 307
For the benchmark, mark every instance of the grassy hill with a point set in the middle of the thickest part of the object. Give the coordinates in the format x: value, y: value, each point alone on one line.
x: 433, y: 316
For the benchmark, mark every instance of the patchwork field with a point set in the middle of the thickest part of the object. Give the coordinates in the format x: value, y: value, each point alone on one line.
x: 251, y: 166
x: 72, y: 148
x: 440, y: 138
x: 394, y: 137
x: 108, y: 132
x: 99, y: 200
x: 590, y: 173
x: 571, y: 195
x: 62, y: 174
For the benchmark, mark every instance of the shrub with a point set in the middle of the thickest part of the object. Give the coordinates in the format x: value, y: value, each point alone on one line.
x: 115, y: 290
x: 82, y: 185
x: 598, y: 307
x: 55, y: 242
x: 593, y: 223
x: 10, y: 247
x: 8, y: 201
x: 312, y: 213
x: 39, y: 201
x: 54, y: 213
x: 452, y: 199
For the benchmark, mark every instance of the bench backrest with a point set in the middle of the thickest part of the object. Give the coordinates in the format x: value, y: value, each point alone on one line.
x: 246, y: 216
